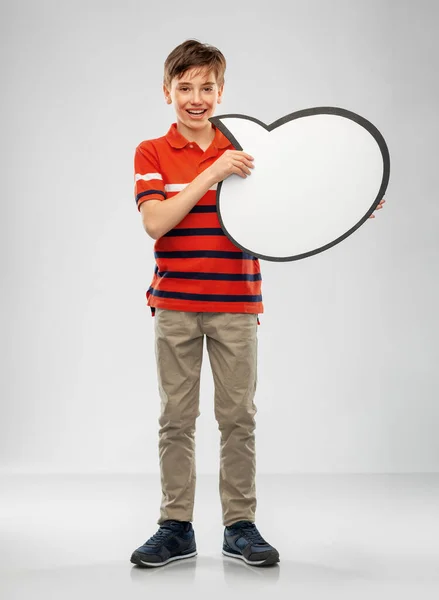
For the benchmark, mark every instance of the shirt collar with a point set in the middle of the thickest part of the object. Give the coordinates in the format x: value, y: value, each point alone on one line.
x: 177, y: 140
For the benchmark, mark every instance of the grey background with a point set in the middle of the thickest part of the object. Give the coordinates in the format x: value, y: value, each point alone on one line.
x: 348, y: 343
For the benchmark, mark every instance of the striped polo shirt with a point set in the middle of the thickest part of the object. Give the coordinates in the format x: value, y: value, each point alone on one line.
x: 197, y: 267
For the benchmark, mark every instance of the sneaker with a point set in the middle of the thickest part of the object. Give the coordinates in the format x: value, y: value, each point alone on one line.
x: 174, y: 540
x: 243, y: 540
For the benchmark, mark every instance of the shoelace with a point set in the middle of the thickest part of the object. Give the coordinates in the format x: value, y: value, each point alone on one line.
x: 251, y: 532
x: 162, y: 534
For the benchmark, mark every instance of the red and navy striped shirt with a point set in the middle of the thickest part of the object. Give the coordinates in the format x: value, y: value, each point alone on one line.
x: 198, y: 269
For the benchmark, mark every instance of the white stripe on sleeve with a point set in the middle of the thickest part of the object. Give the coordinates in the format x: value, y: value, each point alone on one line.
x: 178, y: 187
x: 148, y: 176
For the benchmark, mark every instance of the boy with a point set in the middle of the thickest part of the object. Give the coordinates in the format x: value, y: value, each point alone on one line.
x: 203, y: 285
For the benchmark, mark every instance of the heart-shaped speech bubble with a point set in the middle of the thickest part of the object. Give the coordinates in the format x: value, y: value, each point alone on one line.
x: 318, y: 175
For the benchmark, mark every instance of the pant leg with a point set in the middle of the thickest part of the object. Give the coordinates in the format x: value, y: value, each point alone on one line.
x: 232, y: 347
x: 179, y: 354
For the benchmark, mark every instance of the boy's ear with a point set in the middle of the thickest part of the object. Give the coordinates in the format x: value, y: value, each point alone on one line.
x: 220, y: 93
x: 167, y: 94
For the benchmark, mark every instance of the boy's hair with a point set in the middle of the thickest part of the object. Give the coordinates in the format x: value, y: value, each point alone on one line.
x: 193, y: 53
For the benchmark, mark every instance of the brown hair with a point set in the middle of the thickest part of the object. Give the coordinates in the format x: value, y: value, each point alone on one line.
x: 193, y: 53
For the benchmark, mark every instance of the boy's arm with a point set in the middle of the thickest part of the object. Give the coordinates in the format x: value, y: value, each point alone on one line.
x: 160, y: 216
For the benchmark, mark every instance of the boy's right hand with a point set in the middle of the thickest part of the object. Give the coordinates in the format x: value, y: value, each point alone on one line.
x: 231, y: 161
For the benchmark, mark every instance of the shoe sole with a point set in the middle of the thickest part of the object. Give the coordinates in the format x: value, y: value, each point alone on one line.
x: 136, y: 560
x: 270, y: 560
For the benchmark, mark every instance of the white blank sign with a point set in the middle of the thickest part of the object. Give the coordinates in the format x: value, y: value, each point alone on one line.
x: 318, y: 175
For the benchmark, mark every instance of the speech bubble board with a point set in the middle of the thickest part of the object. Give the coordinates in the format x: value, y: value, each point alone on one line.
x: 318, y: 175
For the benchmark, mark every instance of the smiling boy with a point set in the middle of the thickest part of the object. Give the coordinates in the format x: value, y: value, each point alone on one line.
x: 203, y: 287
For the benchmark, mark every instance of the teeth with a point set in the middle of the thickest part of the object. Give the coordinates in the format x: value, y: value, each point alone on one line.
x: 197, y: 112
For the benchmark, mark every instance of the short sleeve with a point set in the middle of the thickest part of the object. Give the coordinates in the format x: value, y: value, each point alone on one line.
x: 148, y: 181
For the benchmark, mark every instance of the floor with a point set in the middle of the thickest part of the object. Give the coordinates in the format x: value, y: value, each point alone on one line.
x: 339, y: 536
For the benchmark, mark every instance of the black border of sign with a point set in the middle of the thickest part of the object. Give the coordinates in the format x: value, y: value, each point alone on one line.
x: 321, y: 110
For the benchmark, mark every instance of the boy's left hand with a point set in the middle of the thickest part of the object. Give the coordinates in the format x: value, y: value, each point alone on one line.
x: 380, y: 205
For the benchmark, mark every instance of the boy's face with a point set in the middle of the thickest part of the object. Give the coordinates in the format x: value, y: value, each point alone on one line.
x: 192, y: 93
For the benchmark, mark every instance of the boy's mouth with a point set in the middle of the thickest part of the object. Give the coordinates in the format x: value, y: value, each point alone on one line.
x: 196, y: 114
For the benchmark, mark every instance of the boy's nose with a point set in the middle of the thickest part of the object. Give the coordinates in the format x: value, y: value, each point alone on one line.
x: 195, y: 98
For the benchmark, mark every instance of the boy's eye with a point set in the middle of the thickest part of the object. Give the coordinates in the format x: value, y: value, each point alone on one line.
x: 185, y: 89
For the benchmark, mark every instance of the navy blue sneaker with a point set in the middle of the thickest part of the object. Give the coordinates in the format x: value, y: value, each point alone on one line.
x: 243, y: 540
x: 174, y: 540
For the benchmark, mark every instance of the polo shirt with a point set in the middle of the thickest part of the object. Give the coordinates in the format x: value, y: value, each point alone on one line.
x: 197, y: 267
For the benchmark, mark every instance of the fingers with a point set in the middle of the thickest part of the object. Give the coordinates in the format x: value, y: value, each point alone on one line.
x: 246, y: 163
x: 240, y: 170
x: 245, y: 168
x: 242, y: 167
x: 244, y: 154
x: 240, y: 162
x: 379, y: 207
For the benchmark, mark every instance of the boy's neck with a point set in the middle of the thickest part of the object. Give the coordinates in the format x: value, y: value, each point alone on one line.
x: 203, y: 137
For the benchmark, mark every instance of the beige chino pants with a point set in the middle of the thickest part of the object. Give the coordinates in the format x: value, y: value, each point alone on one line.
x: 232, y: 349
